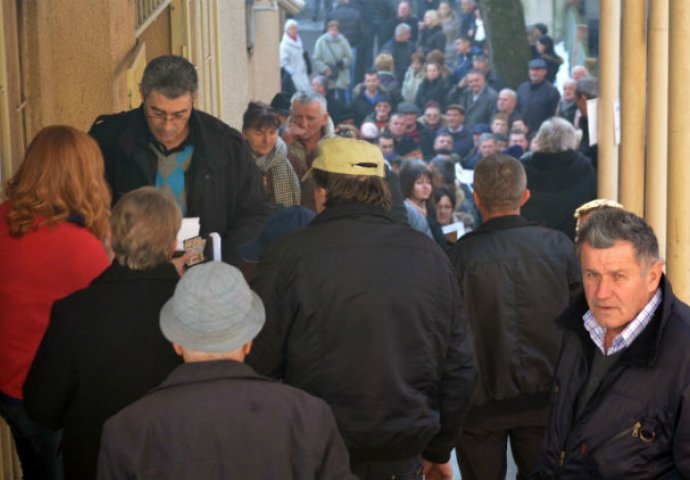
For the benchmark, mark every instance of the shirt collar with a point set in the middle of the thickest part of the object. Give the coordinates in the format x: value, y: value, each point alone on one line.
x: 624, y: 339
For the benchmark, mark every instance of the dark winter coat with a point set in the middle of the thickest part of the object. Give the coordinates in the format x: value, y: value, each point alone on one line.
x: 221, y: 420
x: 364, y: 313
x: 223, y: 183
x: 435, y: 90
x: 537, y: 102
x: 637, y: 424
x: 559, y: 183
x: 432, y: 38
x: 102, y: 351
x: 515, y: 279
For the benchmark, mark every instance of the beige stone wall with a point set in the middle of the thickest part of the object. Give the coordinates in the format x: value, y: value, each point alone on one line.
x: 75, y: 60
x: 265, y: 61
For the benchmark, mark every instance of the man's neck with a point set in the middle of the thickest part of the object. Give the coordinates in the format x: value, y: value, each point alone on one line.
x: 487, y: 215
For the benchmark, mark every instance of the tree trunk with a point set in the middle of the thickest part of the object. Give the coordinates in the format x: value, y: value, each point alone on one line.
x: 504, y: 21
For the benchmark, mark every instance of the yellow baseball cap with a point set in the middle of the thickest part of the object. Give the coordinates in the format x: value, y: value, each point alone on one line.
x: 348, y: 156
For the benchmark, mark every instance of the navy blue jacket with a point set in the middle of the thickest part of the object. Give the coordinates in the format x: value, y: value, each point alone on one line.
x: 637, y: 424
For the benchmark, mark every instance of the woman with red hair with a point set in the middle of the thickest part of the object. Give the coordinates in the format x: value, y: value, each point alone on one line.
x: 53, y: 223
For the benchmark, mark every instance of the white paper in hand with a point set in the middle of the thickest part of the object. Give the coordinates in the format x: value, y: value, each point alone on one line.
x: 189, y: 229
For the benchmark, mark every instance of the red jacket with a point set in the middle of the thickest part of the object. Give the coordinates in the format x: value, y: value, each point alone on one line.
x: 37, y: 269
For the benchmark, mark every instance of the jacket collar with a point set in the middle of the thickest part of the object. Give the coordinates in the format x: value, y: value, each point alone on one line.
x: 350, y: 209
x: 200, y: 372
x: 644, y: 350
x: 117, y: 273
x: 138, y: 136
x: 500, y: 223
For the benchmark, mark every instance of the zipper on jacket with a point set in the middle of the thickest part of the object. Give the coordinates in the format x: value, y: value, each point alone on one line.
x: 636, y: 430
x: 561, y: 458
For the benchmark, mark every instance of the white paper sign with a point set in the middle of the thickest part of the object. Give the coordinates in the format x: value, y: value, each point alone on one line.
x: 617, y: 121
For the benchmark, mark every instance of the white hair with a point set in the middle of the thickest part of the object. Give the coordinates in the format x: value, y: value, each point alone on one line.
x: 556, y: 135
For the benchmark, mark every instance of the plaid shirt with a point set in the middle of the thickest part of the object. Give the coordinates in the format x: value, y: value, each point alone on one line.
x: 624, y: 339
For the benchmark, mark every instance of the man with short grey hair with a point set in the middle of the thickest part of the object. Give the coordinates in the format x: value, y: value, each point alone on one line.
x: 402, y: 49
x: 621, y: 386
x: 169, y: 144
x: 308, y: 124
x: 214, y: 417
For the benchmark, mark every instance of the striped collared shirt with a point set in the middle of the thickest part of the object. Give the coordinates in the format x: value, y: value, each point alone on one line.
x: 624, y: 339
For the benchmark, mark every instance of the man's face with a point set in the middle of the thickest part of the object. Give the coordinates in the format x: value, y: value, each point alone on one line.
x: 617, y: 287
x: 499, y: 126
x: 403, y: 10
x: 454, y: 118
x: 466, y: 6
x: 397, y: 125
x: 371, y: 82
x: 537, y: 75
x: 462, y: 46
x: 518, y: 139
x: 475, y: 82
x: 569, y: 91
x: 487, y: 147
x: 410, y: 122
x: 505, y: 103
x: 309, y: 118
x: 443, y: 142
x: 168, y: 118
x: 386, y: 146
x: 403, y: 36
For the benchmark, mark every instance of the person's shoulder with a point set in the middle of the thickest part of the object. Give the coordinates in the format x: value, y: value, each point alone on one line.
x: 109, y: 126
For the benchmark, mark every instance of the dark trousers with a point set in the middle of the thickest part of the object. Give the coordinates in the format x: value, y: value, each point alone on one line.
x: 409, y: 469
x: 481, y: 448
x: 37, y: 447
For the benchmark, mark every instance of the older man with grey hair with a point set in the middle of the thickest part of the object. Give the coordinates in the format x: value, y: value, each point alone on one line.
x: 559, y: 177
x: 214, y: 417
x: 621, y: 386
x: 308, y: 124
x: 169, y: 144
x: 402, y: 49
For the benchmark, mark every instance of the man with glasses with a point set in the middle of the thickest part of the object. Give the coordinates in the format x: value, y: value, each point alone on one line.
x: 203, y: 162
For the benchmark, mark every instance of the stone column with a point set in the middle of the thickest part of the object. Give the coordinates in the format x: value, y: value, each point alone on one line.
x: 678, y: 266
x: 657, y: 126
x: 609, y: 82
x: 633, y: 83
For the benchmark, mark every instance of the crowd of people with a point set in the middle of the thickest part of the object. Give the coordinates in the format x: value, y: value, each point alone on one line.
x: 348, y: 333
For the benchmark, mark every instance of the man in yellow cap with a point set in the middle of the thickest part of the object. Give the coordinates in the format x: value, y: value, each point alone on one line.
x: 364, y: 313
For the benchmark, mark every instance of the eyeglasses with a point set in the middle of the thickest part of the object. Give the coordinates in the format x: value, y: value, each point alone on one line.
x: 163, y: 116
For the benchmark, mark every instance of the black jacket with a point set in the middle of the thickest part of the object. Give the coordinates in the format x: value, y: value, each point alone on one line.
x: 223, y: 182
x: 515, y: 279
x: 537, y: 102
x: 103, y: 350
x: 219, y: 420
x: 364, y: 313
x: 435, y: 90
x: 637, y: 424
x: 432, y: 38
x: 559, y: 183
x: 402, y: 56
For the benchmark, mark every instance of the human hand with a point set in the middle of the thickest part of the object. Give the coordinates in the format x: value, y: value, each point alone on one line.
x: 437, y: 471
x: 292, y: 131
x: 181, y: 262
